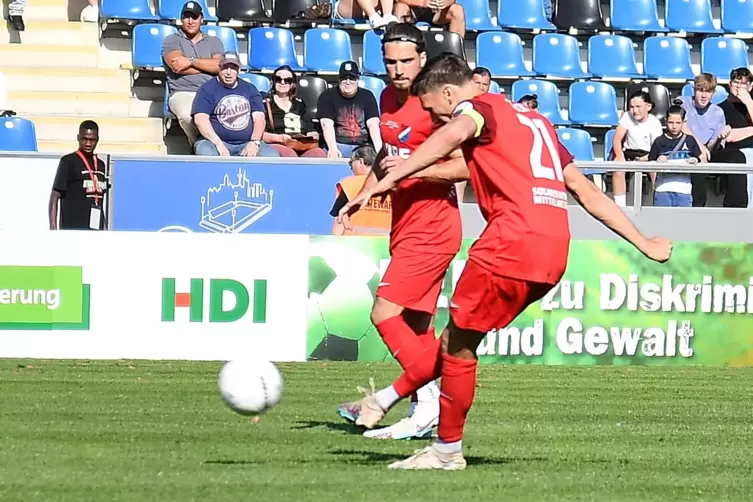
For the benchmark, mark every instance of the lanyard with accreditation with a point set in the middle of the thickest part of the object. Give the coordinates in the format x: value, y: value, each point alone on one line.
x: 95, y: 215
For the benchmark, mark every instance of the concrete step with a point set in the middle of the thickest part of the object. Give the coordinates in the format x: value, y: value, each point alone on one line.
x: 81, y: 103
x: 104, y: 147
x: 56, y: 10
x: 66, y: 56
x: 45, y: 31
x: 19, y: 78
x: 125, y: 129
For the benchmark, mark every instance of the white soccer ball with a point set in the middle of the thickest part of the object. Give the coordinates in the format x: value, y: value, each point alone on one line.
x: 250, y: 387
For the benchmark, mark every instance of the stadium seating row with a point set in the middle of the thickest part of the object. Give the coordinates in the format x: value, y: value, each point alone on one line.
x: 691, y: 16
x: 554, y: 55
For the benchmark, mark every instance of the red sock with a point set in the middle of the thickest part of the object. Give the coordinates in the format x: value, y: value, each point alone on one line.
x: 424, y: 369
x: 400, y: 338
x: 457, y: 391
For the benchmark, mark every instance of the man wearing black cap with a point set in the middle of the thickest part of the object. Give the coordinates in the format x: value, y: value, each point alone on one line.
x: 348, y: 114
x: 191, y: 59
x: 229, y: 115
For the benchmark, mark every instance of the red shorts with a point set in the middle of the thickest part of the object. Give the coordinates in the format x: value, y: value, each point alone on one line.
x: 484, y: 301
x: 414, y: 280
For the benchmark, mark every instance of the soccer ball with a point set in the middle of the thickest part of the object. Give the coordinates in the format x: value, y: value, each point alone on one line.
x: 342, y: 283
x: 250, y: 387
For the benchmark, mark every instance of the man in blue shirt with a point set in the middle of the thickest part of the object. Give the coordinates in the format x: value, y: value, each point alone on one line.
x: 229, y: 115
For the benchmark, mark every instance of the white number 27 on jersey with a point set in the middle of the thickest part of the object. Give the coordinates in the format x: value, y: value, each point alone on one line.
x: 541, y: 137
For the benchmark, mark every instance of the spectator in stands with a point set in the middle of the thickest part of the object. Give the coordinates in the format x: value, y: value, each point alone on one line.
x: 706, y: 123
x: 482, y: 77
x: 16, y: 13
x: 548, y: 10
x: 191, y: 59
x: 348, y: 114
x: 80, y: 185
x: 530, y: 100
x: 635, y: 134
x: 434, y: 12
x: 675, y: 146
x: 378, y: 12
x: 738, y: 145
x: 376, y: 217
x: 289, y: 129
x: 229, y: 115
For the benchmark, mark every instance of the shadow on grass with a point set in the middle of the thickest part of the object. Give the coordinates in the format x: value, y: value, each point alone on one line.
x: 229, y: 462
x: 333, y: 426
x: 362, y: 457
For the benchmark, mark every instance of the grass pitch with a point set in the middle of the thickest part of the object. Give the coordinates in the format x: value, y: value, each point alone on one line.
x: 143, y: 431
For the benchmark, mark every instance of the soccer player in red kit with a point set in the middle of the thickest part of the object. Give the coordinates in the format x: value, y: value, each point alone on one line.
x: 426, y: 235
x: 521, y: 174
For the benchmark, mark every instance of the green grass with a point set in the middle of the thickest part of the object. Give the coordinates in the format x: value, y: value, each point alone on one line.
x: 143, y: 431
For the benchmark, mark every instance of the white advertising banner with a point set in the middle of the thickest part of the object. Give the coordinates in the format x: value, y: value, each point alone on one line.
x: 153, y: 295
x: 25, y: 185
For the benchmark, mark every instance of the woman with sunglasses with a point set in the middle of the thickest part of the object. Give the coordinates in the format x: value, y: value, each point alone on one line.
x: 288, y: 130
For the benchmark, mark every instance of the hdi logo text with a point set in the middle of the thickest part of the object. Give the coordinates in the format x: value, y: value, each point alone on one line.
x: 219, y: 308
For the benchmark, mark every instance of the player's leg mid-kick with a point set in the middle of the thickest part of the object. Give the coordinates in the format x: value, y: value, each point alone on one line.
x: 520, y: 174
x: 426, y: 234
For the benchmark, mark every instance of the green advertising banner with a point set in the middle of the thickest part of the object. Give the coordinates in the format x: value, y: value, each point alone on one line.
x: 613, y: 306
x: 40, y: 295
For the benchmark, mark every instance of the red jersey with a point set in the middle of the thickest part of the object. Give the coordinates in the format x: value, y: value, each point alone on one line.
x: 516, y: 162
x: 425, y: 215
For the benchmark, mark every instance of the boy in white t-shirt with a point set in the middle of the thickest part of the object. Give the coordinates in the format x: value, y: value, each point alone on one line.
x: 635, y: 134
x: 673, y: 189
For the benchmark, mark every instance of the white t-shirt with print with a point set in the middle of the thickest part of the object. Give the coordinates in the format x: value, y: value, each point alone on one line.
x: 640, y: 135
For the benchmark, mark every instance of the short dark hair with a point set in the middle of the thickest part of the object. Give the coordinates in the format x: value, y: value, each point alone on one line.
x: 364, y: 153
x: 676, y: 110
x: 404, y: 32
x: 531, y: 100
x: 741, y: 73
x: 640, y: 93
x: 446, y: 68
x: 484, y: 72
x: 88, y: 125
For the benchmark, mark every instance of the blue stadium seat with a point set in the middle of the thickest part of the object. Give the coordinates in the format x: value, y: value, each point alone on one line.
x: 227, y: 35
x: 261, y: 82
x: 593, y: 104
x: 527, y: 14
x: 611, y: 56
x: 719, y: 56
x: 147, y: 44
x: 608, y: 143
x: 578, y: 142
x: 324, y: 49
x: 737, y: 16
x: 372, y: 54
x: 477, y: 15
x: 692, y: 16
x: 269, y: 48
x: 720, y: 94
x: 17, y: 135
x: 635, y: 15
x: 494, y: 88
x: 171, y: 9
x: 126, y: 10
x: 502, y: 53
x: 667, y: 57
x: 375, y: 84
x: 557, y: 55
x: 548, y: 98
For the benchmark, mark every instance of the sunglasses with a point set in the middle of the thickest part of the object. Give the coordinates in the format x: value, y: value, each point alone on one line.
x: 281, y: 80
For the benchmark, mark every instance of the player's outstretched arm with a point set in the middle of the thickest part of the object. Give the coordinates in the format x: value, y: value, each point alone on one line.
x: 439, y: 145
x: 612, y: 216
x: 453, y: 170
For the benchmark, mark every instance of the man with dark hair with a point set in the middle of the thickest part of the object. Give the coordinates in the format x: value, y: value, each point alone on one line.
x: 520, y: 173
x: 738, y: 146
x: 80, y: 185
x: 482, y: 77
x: 425, y: 237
